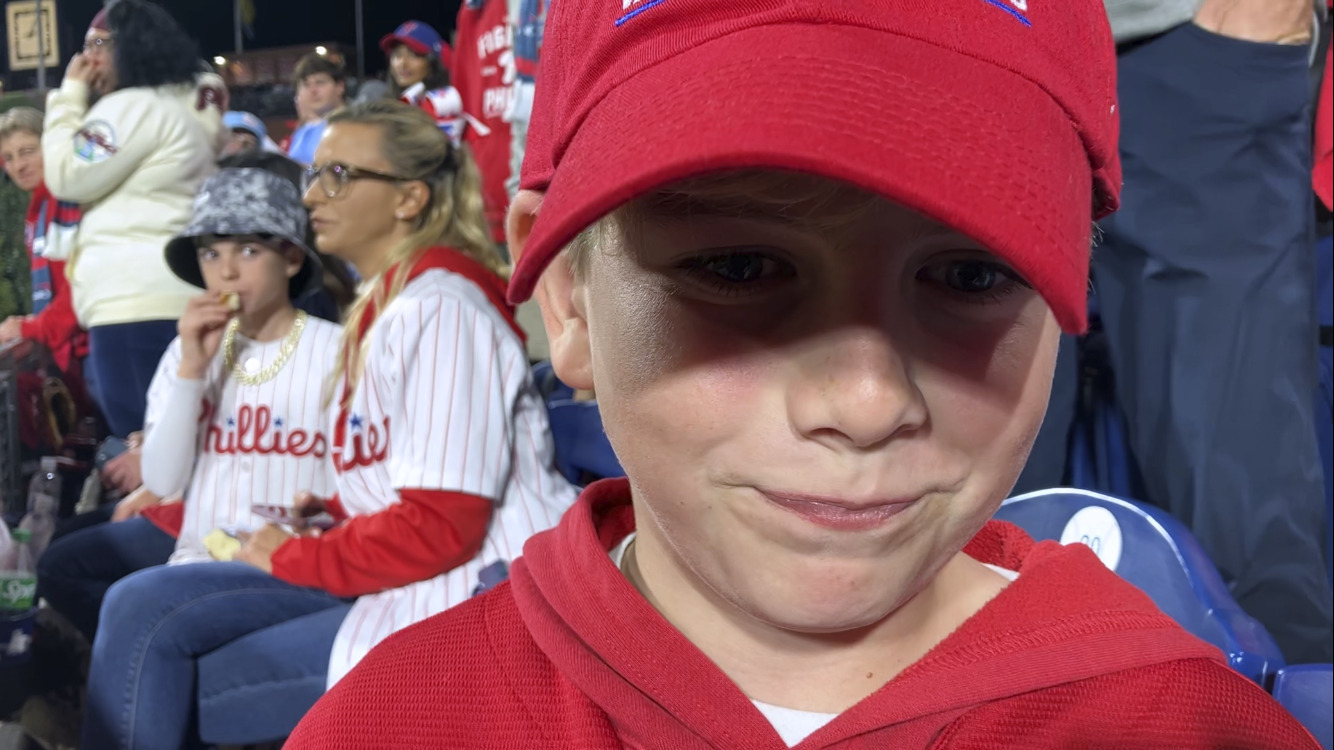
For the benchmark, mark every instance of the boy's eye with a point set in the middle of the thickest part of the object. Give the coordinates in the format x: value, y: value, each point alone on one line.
x: 973, y: 280
x: 738, y: 269
x: 971, y: 277
x: 249, y: 250
x: 736, y: 272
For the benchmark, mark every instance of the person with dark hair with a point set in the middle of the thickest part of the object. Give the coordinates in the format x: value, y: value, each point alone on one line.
x: 134, y: 160
x: 417, y: 56
x: 321, y: 87
x: 236, y: 652
x: 78, y: 568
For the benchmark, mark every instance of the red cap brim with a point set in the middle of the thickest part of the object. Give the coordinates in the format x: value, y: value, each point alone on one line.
x: 390, y: 41
x: 965, y: 142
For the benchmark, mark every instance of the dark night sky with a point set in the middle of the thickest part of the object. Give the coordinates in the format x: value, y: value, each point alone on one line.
x: 279, y: 22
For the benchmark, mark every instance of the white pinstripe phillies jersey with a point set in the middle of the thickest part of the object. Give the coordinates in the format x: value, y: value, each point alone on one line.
x: 446, y: 402
x: 253, y: 444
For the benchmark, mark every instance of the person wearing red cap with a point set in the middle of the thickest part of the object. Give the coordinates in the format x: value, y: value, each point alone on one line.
x: 822, y: 331
x: 417, y: 64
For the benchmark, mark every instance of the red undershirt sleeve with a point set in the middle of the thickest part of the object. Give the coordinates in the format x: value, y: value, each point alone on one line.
x: 425, y: 534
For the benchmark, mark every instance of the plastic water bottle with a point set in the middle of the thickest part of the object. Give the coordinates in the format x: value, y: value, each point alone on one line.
x: 9, y: 551
x: 18, y: 590
x: 43, y: 504
x: 18, y: 585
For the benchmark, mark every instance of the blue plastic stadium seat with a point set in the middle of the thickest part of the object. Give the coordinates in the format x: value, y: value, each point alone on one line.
x: 1156, y: 553
x: 583, y: 453
x: 1307, y: 691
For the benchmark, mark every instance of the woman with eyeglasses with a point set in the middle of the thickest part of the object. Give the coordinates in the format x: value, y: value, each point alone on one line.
x: 441, y: 447
x: 131, y: 133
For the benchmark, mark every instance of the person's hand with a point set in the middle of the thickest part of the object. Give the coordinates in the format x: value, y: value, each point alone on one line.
x: 81, y: 68
x: 134, y: 504
x: 123, y: 472
x: 1265, y: 21
x: 257, y: 548
x: 11, y: 329
x: 201, y: 327
x: 306, y: 505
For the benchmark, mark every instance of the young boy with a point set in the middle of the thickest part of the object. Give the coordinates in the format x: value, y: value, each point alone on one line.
x: 821, y: 316
x: 321, y: 87
x: 235, y: 411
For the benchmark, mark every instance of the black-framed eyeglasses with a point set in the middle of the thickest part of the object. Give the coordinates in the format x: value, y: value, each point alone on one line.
x: 333, y: 177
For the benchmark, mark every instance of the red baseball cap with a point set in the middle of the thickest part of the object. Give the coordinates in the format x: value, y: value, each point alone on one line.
x: 419, y: 37
x: 995, y: 117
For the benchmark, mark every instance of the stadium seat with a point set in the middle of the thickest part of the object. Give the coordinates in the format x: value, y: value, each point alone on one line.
x: 1155, y: 552
x: 583, y: 453
x: 1307, y: 691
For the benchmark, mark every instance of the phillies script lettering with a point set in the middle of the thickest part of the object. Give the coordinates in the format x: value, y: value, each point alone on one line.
x: 254, y: 430
x: 367, y: 445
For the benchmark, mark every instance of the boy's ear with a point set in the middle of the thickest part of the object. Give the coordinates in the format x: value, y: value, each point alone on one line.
x: 519, y: 220
x: 296, y: 258
x: 560, y: 296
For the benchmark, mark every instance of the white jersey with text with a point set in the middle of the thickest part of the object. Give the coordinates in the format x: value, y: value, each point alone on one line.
x: 446, y: 402
x: 258, y: 444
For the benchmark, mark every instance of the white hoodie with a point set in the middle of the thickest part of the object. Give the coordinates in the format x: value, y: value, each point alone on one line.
x: 134, y: 161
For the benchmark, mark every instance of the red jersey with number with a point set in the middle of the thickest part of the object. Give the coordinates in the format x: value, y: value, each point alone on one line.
x: 483, y: 73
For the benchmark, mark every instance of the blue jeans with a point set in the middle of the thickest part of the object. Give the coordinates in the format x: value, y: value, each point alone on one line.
x: 78, y: 568
x: 223, y: 647
x: 122, y: 360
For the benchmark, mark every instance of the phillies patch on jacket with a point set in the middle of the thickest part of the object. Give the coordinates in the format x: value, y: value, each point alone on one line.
x: 569, y: 655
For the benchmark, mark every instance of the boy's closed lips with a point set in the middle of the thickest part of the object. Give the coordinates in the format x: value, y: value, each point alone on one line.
x: 839, y: 513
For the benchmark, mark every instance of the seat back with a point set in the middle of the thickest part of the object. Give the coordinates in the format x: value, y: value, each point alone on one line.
x: 1156, y: 553
x: 583, y: 453
x: 1307, y: 691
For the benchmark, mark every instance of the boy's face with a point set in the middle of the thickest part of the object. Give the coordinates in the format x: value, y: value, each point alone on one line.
x: 814, y: 418
x: 257, y: 270
x: 320, y: 94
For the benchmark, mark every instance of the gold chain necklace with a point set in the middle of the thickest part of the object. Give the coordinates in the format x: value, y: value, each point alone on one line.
x: 284, y: 352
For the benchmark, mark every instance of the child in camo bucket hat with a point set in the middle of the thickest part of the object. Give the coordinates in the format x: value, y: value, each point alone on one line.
x: 246, y: 202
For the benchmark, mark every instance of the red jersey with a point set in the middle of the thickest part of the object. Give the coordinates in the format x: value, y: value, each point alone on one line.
x: 483, y: 73
x: 568, y: 654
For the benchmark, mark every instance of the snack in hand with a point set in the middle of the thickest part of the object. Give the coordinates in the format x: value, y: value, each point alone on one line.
x: 221, y: 545
x: 231, y: 300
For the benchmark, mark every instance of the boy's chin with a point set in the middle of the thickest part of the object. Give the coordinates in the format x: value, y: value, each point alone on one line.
x: 818, y: 607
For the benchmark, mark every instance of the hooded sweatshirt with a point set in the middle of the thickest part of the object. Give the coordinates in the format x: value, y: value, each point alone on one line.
x: 567, y: 654
x: 134, y: 161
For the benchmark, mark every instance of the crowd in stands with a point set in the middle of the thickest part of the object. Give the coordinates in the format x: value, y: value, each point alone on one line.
x: 821, y: 331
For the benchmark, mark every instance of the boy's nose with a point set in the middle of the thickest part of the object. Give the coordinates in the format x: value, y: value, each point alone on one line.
x: 853, y: 389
